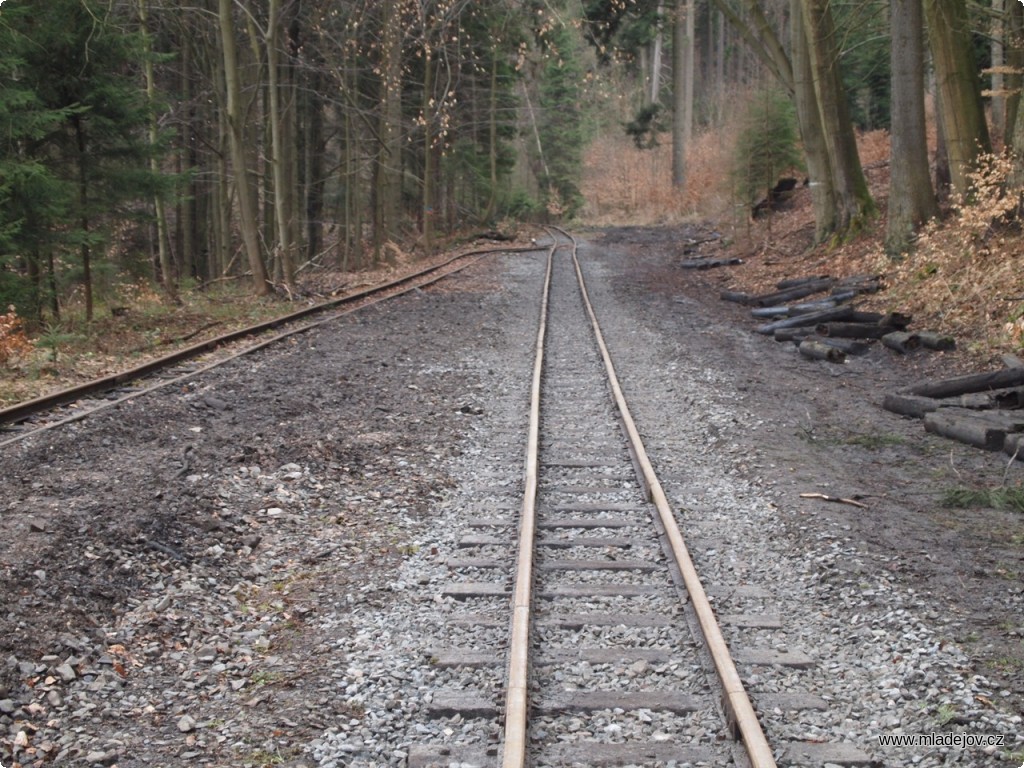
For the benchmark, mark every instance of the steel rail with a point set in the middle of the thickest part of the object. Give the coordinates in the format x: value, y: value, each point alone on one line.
x: 736, y: 701
x: 517, y: 702
x: 369, y: 297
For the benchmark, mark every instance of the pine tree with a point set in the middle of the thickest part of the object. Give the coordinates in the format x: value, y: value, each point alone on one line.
x: 33, y: 199
x: 562, y: 126
x: 79, y: 65
x: 766, y: 146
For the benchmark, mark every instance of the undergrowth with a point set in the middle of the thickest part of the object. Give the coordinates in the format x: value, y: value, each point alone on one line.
x: 14, y: 343
x: 968, y: 271
x: 1001, y: 498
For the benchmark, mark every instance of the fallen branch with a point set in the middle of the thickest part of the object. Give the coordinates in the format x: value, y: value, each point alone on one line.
x: 835, y: 499
x: 194, y: 333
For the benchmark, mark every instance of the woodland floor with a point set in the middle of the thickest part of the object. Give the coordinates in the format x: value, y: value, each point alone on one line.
x: 69, y: 573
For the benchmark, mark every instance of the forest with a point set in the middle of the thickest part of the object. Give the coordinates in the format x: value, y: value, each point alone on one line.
x: 177, y: 145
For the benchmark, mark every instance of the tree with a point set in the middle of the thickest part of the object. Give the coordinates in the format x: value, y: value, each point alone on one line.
x: 911, y: 198
x: 34, y: 201
x: 957, y: 76
x: 853, y: 202
x: 811, y: 71
x: 767, y: 145
x: 167, y: 274
x: 682, y: 88
x: 388, y: 166
x: 281, y: 139
x: 561, y: 125
x: 78, y: 63
x: 236, y: 141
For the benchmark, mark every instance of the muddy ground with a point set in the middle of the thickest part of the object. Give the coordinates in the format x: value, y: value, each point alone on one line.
x: 70, y: 571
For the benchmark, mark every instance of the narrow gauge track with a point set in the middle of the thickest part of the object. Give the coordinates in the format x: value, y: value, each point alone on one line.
x: 602, y: 585
x: 80, y: 401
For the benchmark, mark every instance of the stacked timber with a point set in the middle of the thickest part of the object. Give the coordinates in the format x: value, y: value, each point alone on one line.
x: 985, y: 410
x: 830, y: 327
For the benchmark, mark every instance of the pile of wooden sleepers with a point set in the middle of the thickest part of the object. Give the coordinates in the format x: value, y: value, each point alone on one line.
x: 831, y: 327
x: 980, y: 409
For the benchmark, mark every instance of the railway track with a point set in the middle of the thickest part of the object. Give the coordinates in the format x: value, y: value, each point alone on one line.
x: 80, y: 401
x: 601, y: 586
x: 613, y: 657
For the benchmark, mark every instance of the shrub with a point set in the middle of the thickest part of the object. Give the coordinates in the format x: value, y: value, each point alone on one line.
x: 765, y: 147
x: 966, y: 270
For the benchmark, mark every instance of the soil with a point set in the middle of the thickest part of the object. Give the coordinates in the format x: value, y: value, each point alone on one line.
x: 831, y: 436
x: 97, y: 513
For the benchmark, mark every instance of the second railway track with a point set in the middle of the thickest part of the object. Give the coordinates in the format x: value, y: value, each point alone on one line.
x: 79, y: 401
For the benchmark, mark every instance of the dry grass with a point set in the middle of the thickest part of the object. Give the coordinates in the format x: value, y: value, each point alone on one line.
x: 967, y: 275
x: 626, y: 185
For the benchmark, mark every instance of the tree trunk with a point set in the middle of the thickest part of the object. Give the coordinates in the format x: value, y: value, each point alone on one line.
x: 492, y: 136
x: 761, y: 39
x: 283, y: 218
x: 957, y: 77
x: 819, y: 170
x: 1014, y: 55
x: 188, y: 163
x: 654, y: 86
x: 388, y: 179
x: 314, y: 165
x: 236, y: 140
x: 853, y: 201
x: 51, y: 277
x: 719, y: 60
x: 35, y: 276
x: 222, y: 202
x: 911, y: 198
x: 429, y: 166
x: 85, y: 249
x: 691, y: 16
x: 679, y: 95
x: 167, y: 275
x: 998, y: 61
